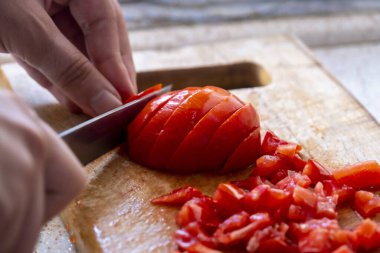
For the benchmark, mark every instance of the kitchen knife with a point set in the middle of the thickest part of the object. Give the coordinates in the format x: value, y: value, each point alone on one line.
x: 95, y: 137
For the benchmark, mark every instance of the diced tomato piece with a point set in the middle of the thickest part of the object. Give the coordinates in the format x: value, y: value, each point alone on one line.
x: 189, y: 153
x: 228, y: 198
x: 289, y: 183
x: 140, y: 147
x: 326, y: 207
x: 192, y: 234
x: 367, y: 203
x: 249, y: 183
x: 253, y: 200
x: 267, y: 165
x: 316, y: 241
x: 202, y: 210
x: 298, y: 163
x: 270, y: 239
x: 228, y: 137
x: 368, y: 235
x: 360, y: 175
x: 317, y: 172
x: 304, y: 197
x: 270, y: 143
x: 344, y: 192
x: 297, y: 213
x: 144, y: 93
x: 245, y: 154
x: 201, y: 248
x: 289, y: 150
x: 257, y: 221
x: 342, y: 237
x: 343, y: 249
x: 178, y: 196
x: 179, y: 124
x: 279, y: 175
x: 232, y: 223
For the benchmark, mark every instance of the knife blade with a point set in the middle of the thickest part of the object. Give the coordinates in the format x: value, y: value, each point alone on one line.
x: 95, y: 137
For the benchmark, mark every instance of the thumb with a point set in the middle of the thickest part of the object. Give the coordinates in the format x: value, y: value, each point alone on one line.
x: 37, y: 41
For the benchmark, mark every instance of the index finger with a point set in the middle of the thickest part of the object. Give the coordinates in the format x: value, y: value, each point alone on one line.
x: 98, y: 22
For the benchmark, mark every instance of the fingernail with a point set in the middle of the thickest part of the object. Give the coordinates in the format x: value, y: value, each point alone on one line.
x: 104, y: 101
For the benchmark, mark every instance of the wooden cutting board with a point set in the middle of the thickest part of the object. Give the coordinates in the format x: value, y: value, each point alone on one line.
x: 301, y: 103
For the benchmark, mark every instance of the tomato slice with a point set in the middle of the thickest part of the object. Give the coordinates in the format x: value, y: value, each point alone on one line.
x: 267, y: 165
x: 178, y: 196
x: 143, y: 93
x: 140, y: 147
x: 146, y: 114
x: 228, y: 136
x: 367, y: 203
x: 228, y: 198
x: 360, y: 175
x: 245, y: 154
x: 188, y: 155
x: 180, y: 123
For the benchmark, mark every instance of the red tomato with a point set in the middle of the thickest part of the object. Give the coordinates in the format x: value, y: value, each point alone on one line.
x: 270, y: 143
x: 317, y: 172
x: 187, y: 156
x: 367, y: 203
x: 267, y: 165
x: 195, y: 129
x: 143, y: 93
x: 180, y: 123
x: 360, y: 175
x: 344, y: 192
x: 229, y: 135
x: 178, y: 196
x: 368, y: 235
x: 228, y: 198
x: 343, y: 249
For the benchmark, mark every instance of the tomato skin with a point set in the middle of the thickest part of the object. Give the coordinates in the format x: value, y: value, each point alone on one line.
x: 228, y: 137
x: 360, y: 175
x: 367, y: 204
x: 270, y: 143
x: 178, y: 196
x: 317, y: 172
x: 143, y: 93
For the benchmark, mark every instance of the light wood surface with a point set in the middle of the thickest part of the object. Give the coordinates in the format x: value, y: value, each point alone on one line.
x: 303, y: 103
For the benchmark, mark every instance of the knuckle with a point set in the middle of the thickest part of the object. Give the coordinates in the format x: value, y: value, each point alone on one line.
x: 90, y: 26
x: 74, y: 74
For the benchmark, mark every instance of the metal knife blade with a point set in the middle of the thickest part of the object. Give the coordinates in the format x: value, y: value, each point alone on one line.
x: 95, y: 137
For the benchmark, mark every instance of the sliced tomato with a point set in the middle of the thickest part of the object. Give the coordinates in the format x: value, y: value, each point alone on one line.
x: 144, y: 93
x: 304, y: 197
x: 180, y: 123
x: 228, y: 136
x: 228, y: 198
x: 289, y: 150
x: 289, y: 183
x: 317, y: 172
x: 368, y: 235
x: 235, y: 222
x: 178, y: 196
x: 189, y: 153
x: 146, y: 114
x: 367, y: 203
x: 297, y: 213
x: 316, y: 241
x: 360, y: 175
x: 245, y: 154
x: 249, y: 183
x: 191, y: 235
x: 345, y: 193
x: 140, y: 147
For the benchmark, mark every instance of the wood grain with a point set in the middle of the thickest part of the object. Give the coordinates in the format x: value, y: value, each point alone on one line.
x: 304, y: 103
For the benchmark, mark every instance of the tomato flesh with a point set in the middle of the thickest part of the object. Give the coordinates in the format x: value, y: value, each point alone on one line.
x: 178, y: 197
x: 367, y: 203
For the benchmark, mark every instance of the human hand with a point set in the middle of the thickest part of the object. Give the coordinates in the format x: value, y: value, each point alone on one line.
x: 38, y: 175
x: 77, y: 49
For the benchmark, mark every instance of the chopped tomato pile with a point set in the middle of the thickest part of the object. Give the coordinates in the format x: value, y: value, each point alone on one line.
x: 287, y: 204
x: 195, y: 129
